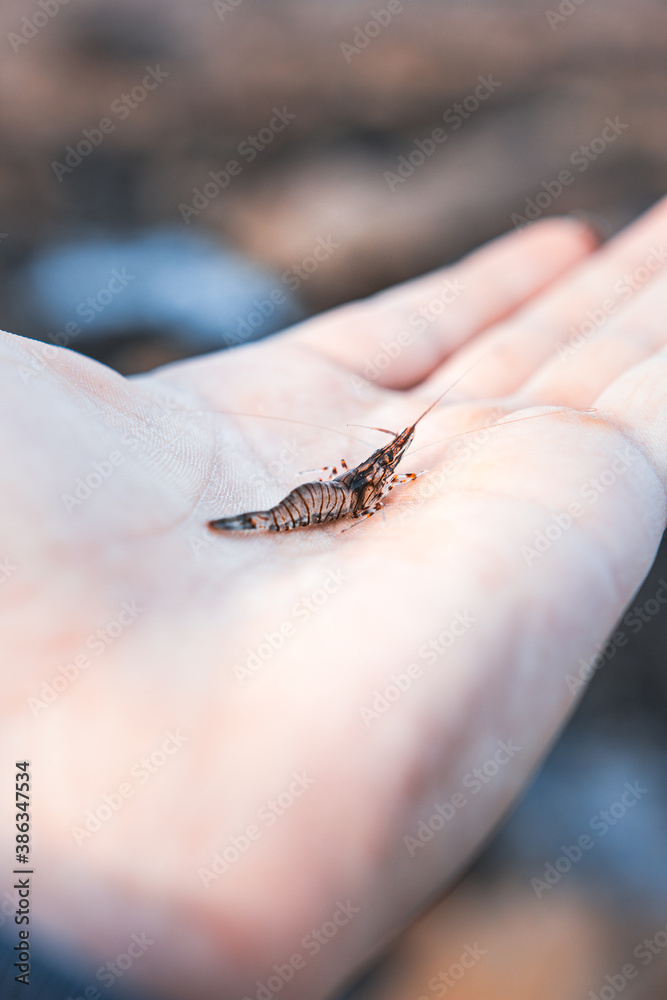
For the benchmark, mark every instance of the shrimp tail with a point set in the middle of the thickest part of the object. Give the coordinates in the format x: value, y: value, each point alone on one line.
x: 257, y: 520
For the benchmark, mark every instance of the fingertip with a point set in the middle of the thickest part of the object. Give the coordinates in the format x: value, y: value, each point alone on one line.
x: 586, y: 229
x: 550, y: 245
x: 597, y: 227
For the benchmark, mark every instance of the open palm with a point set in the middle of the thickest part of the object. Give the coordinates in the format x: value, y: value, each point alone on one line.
x: 254, y: 755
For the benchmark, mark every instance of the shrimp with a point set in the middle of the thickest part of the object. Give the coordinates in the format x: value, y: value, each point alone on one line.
x: 354, y: 493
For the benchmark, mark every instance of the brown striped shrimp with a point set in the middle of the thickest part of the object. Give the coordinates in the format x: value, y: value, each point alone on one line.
x: 354, y: 493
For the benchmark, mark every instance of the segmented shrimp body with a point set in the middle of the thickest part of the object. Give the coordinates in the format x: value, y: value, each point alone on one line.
x: 356, y: 493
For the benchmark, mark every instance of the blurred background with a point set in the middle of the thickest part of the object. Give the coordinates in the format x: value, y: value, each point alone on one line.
x: 178, y: 177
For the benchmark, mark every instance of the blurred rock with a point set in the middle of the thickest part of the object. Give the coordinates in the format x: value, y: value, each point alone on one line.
x: 162, y: 295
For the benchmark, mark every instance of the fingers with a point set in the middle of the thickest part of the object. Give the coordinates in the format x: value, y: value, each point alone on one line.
x: 575, y: 308
x: 583, y: 367
x: 398, y: 338
x: 638, y: 400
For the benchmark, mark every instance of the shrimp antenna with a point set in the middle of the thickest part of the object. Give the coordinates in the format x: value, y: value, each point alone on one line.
x: 367, y: 428
x: 291, y: 420
x: 267, y: 416
x: 450, y: 387
x: 434, y: 403
x: 499, y: 423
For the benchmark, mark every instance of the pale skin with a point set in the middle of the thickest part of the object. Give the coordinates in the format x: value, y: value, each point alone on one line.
x: 354, y: 608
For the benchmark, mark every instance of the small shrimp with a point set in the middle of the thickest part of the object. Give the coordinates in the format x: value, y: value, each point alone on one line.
x: 355, y: 493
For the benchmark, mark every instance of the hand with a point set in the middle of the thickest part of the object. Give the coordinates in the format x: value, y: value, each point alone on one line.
x: 240, y: 743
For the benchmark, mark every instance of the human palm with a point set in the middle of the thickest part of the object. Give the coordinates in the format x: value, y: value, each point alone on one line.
x: 249, y: 747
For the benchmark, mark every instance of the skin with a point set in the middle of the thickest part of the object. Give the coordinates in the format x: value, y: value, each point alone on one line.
x: 453, y: 543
